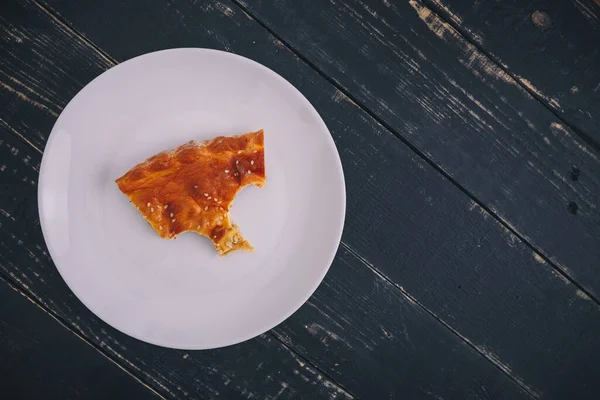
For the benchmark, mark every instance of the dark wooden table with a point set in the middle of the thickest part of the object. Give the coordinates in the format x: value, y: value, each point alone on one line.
x: 469, y: 133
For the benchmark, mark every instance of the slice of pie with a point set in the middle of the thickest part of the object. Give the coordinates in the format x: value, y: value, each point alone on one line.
x: 191, y: 188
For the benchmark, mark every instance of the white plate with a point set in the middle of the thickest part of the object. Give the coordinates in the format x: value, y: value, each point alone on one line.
x: 180, y: 293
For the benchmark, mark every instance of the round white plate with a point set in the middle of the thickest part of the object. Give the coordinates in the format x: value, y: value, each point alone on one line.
x: 180, y: 293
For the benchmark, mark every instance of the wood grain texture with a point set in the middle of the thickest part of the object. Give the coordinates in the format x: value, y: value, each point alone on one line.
x: 462, y: 112
x: 551, y: 48
x: 19, y: 88
x: 381, y: 344
x: 43, y: 360
x: 469, y: 271
x: 367, y: 334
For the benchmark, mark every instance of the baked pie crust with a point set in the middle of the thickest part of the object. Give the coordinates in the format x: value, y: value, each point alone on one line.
x: 191, y: 188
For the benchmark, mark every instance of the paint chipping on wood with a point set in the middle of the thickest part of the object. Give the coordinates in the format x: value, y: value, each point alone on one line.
x: 280, y: 44
x: 458, y: 21
x: 323, y: 334
x: 450, y: 14
x: 225, y: 9
x: 30, y: 90
x: 408, y: 297
x: 479, y: 64
x: 5, y: 214
x: 550, y: 100
x: 338, y: 96
x: 387, y: 334
x: 492, y: 72
x: 538, y: 258
x: 23, y: 97
x: 473, y: 206
x: 560, y: 128
x: 586, y: 11
x: 511, y: 239
x: 482, y: 66
x: 506, y: 368
x: 435, y: 24
x: 284, y: 386
x: 12, y: 35
x: 582, y: 294
x: 311, y: 375
x: 248, y: 15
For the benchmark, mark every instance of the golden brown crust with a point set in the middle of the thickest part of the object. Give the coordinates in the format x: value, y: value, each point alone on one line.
x: 191, y: 187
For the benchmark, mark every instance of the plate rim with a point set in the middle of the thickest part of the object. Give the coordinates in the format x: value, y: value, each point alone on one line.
x: 46, y: 155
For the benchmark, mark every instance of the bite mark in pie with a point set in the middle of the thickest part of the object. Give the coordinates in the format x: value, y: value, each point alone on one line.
x: 191, y: 188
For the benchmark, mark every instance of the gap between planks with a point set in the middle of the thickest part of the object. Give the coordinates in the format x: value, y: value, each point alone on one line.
x: 538, y: 252
x: 444, y: 16
x: 63, y: 24
x: 307, y: 362
x: 20, y: 136
x: 18, y: 288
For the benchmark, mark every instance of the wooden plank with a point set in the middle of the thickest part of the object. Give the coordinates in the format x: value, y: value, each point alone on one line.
x: 478, y: 279
x: 373, y: 339
x: 43, y: 360
x: 550, y: 47
x: 460, y: 111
